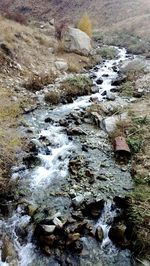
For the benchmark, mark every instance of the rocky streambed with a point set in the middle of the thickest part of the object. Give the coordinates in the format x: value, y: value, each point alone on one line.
x: 70, y: 200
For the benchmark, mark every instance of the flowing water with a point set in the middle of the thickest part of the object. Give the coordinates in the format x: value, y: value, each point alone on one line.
x: 38, y: 184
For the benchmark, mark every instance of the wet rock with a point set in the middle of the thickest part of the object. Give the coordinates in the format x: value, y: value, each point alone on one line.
x: 110, y: 96
x: 31, y: 209
x: 57, y: 222
x: 78, y: 200
x: 94, y: 99
x: 94, y: 89
x: 77, y: 215
x: 48, y: 228
x: 99, y: 234
x: 96, y: 69
x: 93, y: 76
x: 47, y: 240
x: 74, y: 165
x: 105, y: 75
x: 8, y: 251
x: 122, y: 203
x: 48, y: 120
x: 93, y: 208
x: 117, y: 234
x: 96, y: 118
x: 85, y: 148
x: 63, y: 123
x: 31, y: 161
x: 76, y: 131
x: 118, y: 81
x: 72, y: 238
x: 115, y: 69
x: 138, y: 94
x: 99, y: 81
x: 104, y: 93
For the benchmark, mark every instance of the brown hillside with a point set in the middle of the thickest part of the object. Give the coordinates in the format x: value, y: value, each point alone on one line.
x: 102, y: 12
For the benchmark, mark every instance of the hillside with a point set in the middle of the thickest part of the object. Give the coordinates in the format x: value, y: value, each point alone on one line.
x: 103, y: 13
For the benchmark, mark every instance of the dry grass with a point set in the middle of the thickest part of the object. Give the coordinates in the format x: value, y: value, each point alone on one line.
x: 37, y: 82
x: 10, y: 141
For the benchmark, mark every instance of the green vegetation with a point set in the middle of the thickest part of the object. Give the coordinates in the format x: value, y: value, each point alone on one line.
x: 107, y: 52
x: 74, y: 86
x: 124, y: 38
x: 135, y: 144
x: 127, y: 89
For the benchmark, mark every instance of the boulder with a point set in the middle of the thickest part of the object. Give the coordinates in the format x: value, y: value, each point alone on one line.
x: 8, y: 251
x: 61, y: 65
x: 117, y: 235
x: 99, y: 81
x: 77, y: 41
x: 110, y: 96
x: 99, y: 234
x: 119, y: 80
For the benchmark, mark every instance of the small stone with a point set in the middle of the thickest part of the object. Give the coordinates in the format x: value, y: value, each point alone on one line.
x: 99, y: 234
x: 48, y: 228
x: 78, y: 200
x: 110, y: 96
x: 48, y: 120
x: 99, y: 81
x: 72, y: 238
x: 57, y: 222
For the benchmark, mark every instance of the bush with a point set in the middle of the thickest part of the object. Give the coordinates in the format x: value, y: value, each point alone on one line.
x: 52, y: 97
x: 37, y: 83
x: 18, y: 17
x: 85, y: 25
x: 107, y: 52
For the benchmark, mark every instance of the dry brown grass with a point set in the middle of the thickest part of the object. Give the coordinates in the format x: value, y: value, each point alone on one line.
x: 10, y: 141
x: 37, y: 82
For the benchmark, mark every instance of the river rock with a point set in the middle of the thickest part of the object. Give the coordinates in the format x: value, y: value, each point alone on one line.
x: 99, y: 234
x: 8, y: 251
x: 48, y: 228
x: 93, y: 76
x: 57, y: 222
x: 31, y: 161
x: 94, y: 89
x: 76, y: 131
x: 119, y: 80
x: 72, y: 238
x: 110, y: 96
x: 78, y: 200
x: 93, y: 208
x: 99, y: 81
x: 117, y: 234
x: 77, y: 41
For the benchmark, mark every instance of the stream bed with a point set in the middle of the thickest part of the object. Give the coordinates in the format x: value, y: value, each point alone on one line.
x: 68, y: 184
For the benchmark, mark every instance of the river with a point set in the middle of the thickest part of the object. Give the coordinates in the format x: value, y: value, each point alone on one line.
x: 50, y: 187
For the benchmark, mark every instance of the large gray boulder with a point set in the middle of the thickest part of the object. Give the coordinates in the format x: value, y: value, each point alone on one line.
x: 77, y: 41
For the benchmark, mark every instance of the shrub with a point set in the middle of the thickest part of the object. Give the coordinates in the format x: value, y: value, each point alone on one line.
x: 52, y: 97
x: 107, y: 52
x: 60, y: 29
x: 18, y: 17
x: 85, y: 25
x: 37, y: 82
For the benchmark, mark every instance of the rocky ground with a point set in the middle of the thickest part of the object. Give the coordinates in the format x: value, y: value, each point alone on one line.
x: 25, y: 74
